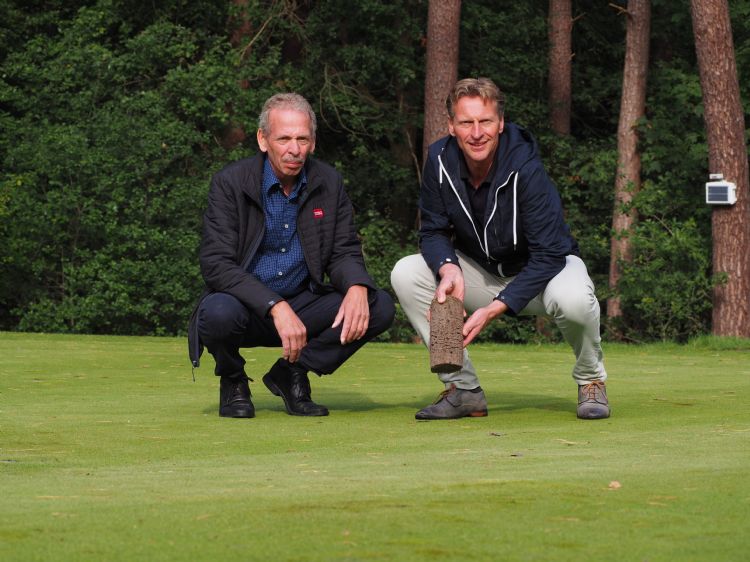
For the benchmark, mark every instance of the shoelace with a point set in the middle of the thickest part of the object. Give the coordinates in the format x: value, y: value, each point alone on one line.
x: 237, y: 390
x: 301, y: 389
x: 445, y: 393
x: 590, y: 390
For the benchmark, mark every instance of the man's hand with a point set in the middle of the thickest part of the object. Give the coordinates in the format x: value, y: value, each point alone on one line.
x: 481, y: 317
x: 291, y: 330
x: 451, y: 282
x: 354, y: 312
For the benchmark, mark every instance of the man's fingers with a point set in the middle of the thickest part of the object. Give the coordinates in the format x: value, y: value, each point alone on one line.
x: 345, y: 329
x: 470, y: 331
x: 361, y: 328
x: 338, y: 319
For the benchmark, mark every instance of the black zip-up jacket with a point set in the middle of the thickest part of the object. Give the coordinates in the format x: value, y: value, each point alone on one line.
x: 234, y: 225
x: 523, y: 232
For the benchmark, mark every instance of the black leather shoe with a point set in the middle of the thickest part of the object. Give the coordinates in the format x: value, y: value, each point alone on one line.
x: 293, y: 386
x: 234, y: 398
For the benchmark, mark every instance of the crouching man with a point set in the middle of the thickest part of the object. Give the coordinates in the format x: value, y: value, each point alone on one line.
x: 492, y: 235
x: 283, y: 267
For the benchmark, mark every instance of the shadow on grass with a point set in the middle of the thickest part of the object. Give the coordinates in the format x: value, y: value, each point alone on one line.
x: 514, y: 401
x: 338, y: 401
x: 361, y: 402
x: 355, y: 402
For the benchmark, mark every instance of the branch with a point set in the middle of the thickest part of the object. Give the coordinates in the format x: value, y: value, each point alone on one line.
x: 255, y: 38
x: 619, y: 9
x: 288, y: 10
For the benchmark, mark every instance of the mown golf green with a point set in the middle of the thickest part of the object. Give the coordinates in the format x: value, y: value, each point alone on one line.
x: 110, y: 451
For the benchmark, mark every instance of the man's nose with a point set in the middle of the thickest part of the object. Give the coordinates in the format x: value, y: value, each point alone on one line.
x: 476, y: 130
x: 294, y: 147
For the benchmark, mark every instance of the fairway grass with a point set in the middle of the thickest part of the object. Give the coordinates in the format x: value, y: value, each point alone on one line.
x: 110, y: 451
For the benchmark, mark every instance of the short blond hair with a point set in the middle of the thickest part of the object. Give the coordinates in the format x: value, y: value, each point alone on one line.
x: 476, y: 87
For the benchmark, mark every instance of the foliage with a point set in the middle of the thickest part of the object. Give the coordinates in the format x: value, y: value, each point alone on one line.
x: 382, y: 249
x: 366, y: 76
x: 115, y: 113
x: 106, y: 179
x: 666, y: 289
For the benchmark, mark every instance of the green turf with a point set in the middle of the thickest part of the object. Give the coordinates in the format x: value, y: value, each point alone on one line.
x: 109, y: 451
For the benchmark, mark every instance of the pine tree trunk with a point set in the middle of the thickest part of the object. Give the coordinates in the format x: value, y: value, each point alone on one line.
x: 628, y: 177
x: 443, y: 18
x: 727, y: 154
x: 560, y: 27
x: 559, y: 31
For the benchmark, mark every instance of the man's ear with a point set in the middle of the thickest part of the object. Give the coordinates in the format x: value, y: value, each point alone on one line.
x: 450, y: 127
x: 502, y: 126
x: 262, y: 141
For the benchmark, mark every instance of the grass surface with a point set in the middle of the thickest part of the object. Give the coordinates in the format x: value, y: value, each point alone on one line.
x: 109, y: 451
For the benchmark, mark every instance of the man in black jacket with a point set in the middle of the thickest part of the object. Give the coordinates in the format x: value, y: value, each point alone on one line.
x: 283, y: 267
x: 492, y: 235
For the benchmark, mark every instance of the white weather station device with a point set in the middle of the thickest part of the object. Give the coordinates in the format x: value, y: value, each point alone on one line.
x: 719, y: 191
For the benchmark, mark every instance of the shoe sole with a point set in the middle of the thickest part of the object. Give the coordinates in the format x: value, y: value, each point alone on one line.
x: 240, y: 414
x: 593, y: 417
x: 273, y: 387
x: 477, y: 414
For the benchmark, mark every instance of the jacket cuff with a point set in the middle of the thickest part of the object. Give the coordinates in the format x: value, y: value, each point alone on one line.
x: 510, y: 302
x: 448, y: 259
x: 270, y: 304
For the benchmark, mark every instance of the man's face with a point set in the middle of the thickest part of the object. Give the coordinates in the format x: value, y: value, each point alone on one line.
x: 288, y: 143
x: 477, y: 127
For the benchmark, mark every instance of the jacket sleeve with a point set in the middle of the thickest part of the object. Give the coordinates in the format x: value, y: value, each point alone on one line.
x: 221, y: 266
x: 436, y: 228
x: 346, y: 267
x: 540, y: 213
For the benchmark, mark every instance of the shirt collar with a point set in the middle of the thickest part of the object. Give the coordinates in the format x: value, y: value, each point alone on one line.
x: 464, y: 169
x: 270, y: 180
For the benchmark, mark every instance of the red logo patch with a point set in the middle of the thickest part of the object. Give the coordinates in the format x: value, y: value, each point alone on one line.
x: 318, y: 213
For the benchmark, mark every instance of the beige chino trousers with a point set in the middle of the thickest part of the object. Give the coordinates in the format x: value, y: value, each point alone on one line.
x: 568, y: 299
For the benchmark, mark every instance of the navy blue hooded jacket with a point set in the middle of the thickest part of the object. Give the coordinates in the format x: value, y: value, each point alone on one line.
x: 523, y: 232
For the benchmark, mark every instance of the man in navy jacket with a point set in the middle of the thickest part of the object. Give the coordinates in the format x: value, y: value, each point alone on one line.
x: 493, y: 235
x: 283, y: 267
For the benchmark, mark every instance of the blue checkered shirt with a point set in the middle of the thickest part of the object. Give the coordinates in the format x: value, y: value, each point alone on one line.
x: 279, y: 263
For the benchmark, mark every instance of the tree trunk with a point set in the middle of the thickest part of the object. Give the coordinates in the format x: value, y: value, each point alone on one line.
x: 560, y: 27
x: 559, y: 30
x: 240, y: 29
x: 727, y: 154
x: 443, y: 18
x: 628, y: 177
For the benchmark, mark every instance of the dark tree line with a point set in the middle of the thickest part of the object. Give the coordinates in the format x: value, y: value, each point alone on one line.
x: 114, y: 114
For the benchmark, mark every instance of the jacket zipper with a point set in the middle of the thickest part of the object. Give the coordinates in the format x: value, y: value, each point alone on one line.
x: 485, y: 247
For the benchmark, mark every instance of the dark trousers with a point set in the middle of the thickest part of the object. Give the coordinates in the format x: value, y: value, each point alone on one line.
x: 225, y: 325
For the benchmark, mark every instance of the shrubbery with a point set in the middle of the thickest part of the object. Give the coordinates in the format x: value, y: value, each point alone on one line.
x: 115, y: 113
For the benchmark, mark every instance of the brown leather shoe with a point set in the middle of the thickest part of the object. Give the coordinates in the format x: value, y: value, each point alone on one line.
x: 455, y: 403
x: 592, y: 401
